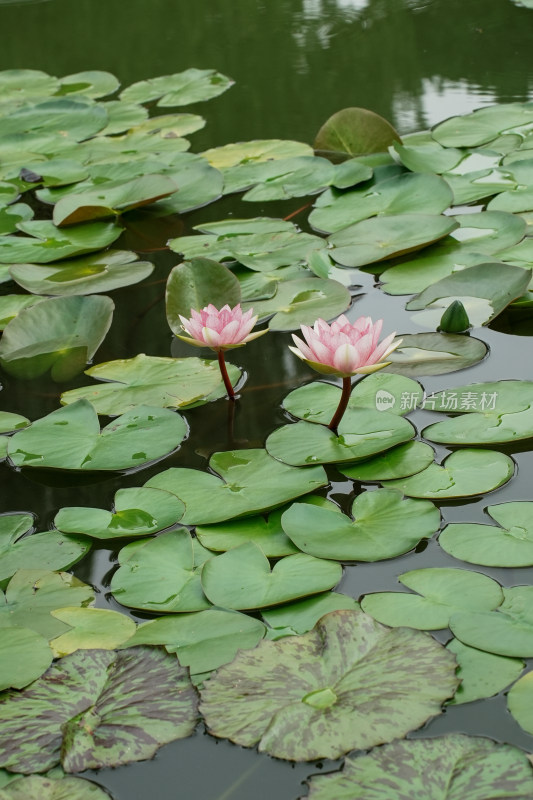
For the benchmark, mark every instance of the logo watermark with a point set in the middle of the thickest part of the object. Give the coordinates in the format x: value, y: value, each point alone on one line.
x: 440, y: 401
x: 384, y: 400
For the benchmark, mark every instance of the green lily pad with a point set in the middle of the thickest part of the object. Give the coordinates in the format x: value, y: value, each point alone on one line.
x: 483, y: 125
x: 161, y: 574
x: 428, y: 157
x: 263, y: 285
x: 300, y: 301
x: 355, y: 131
x: 24, y: 656
x: 39, y: 787
x: 384, y: 525
x: 482, y: 674
x: 12, y: 422
x: 194, y: 285
x: 360, y: 435
x: 8, y: 193
x: 97, y: 708
x: 400, y: 462
x: 479, y: 184
x: 408, y: 193
x: 180, y: 89
x: 362, y: 685
x: 140, y: 435
x: 279, y: 178
x: 137, y: 512
x: 442, y: 592
x: 91, y: 628
x: 230, y: 155
x: 17, y: 84
x: 464, y: 473
x: 74, y: 120
x: 55, y: 172
x: 91, y: 83
x: 293, y: 619
x: 510, y: 545
x: 47, y: 243
x: 242, y: 578
x: 198, y: 183
x: 102, y: 272
x: 430, y: 769
x: 151, y: 380
x: 379, y: 238
x: 33, y: 593
x: 250, y: 481
x: 12, y: 304
x: 10, y: 216
x: 506, y: 631
x: 435, y: 354
x: 520, y: 702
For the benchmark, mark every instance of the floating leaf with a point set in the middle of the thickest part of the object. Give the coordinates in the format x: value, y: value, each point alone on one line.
x: 194, y: 285
x: 47, y: 243
x: 428, y: 157
x: 230, y: 155
x: 91, y: 83
x: 251, y: 481
x: 483, y: 125
x: 141, y: 435
x: 10, y: 216
x: 279, y: 178
x: 91, y: 628
x: 435, y: 354
x: 39, y: 787
x: 400, y: 462
x: 24, y: 656
x: 180, y: 89
x: 74, y: 120
x: 300, y: 301
x: 384, y: 525
x: 362, y: 685
x: 18, y: 84
x: 292, y: 619
x: 12, y: 304
x: 354, y: 131
x: 507, y: 631
x: 97, y: 708
x: 482, y: 674
x: 520, y: 702
x: 443, y: 590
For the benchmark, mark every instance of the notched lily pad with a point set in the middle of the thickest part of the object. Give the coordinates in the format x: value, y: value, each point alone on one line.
x: 435, y: 354
x: 482, y: 674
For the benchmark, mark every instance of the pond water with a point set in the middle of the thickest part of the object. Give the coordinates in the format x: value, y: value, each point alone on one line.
x: 295, y: 62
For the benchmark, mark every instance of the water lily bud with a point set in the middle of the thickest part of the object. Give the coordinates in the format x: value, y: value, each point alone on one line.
x: 455, y: 319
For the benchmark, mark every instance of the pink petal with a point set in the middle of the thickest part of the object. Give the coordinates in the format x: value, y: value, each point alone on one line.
x: 211, y: 338
x: 346, y: 358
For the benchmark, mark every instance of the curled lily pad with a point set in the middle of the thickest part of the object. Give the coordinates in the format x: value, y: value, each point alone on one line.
x: 194, y: 285
x: 181, y: 89
x: 384, y: 525
x: 520, y: 702
x: 441, y: 593
x: 151, y: 380
x: 300, y: 301
x: 506, y: 631
x: 97, y: 708
x: 242, y: 578
x: 250, y: 481
x: 356, y: 130
x: 91, y: 628
x: 74, y: 328
x: 40, y: 787
x: 435, y: 354
x: 137, y: 512
x: 482, y: 674
x: 430, y: 769
x: 400, y: 462
x: 141, y: 435
x: 463, y: 473
x: 367, y: 685
x: 24, y: 656
x: 292, y: 619
x: 45, y: 242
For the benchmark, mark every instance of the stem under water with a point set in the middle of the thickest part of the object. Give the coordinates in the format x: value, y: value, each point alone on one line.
x: 225, y: 376
x: 343, y: 404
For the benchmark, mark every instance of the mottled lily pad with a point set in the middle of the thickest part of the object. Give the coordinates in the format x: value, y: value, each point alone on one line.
x: 40, y: 787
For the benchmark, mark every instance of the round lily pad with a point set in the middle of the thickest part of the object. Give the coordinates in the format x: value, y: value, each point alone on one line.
x: 520, y: 702
x: 400, y: 462
x: 300, y: 301
x: 266, y: 532
x: 482, y: 674
x: 356, y: 130
x: 24, y: 656
x: 39, y: 787
x: 435, y: 354
x: 229, y: 155
x: 362, y: 685
x: 292, y: 619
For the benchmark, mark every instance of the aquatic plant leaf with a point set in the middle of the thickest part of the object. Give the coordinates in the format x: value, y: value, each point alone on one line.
x: 483, y: 125
x: 8, y: 193
x: 198, y: 182
x: 161, y: 574
x: 46, y: 243
x: 102, y: 272
x: 384, y: 525
x: 91, y: 629
x: 10, y: 216
x: 17, y: 84
x: 509, y: 545
x: 250, y: 481
x: 463, y: 473
x: 304, y: 176
x: 230, y: 155
x: 429, y: 157
x: 482, y: 674
x: 242, y: 578
x: 24, y: 656
x: 12, y: 304
x: 362, y: 685
x: 194, y: 285
x: 300, y: 301
x: 380, y: 238
x: 140, y: 435
x: 97, y: 708
x: 74, y: 120
x: 442, y: 591
x: 355, y: 131
x: 33, y: 593
x: 520, y: 702
x: 506, y: 631
x: 408, y: 193
x: 180, y: 89
x: 292, y: 619
x: 204, y: 640
x: 360, y: 434
x: 74, y: 328
x: 91, y: 83
x: 445, y: 768
x: 137, y: 512
x: 152, y: 380
x: 435, y: 354
x: 400, y: 462
x: 170, y: 126
x: 40, y: 787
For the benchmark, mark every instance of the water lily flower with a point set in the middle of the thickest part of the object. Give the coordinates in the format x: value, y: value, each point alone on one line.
x: 220, y: 329
x: 344, y: 349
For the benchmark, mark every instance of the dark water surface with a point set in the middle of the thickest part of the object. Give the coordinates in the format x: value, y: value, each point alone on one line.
x: 295, y: 62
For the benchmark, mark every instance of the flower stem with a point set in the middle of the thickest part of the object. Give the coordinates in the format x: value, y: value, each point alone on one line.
x: 225, y: 376
x: 343, y: 403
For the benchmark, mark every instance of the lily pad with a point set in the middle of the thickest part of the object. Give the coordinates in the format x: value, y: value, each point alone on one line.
x: 97, y: 708
x: 91, y: 83
x: 151, y: 380
x: 400, y: 462
x: 483, y: 125
x: 74, y: 120
x: 362, y: 685
x: 74, y: 329
x: 10, y: 216
x: 46, y: 243
x: 24, y: 656
x: 230, y: 155
x: 242, y: 578
x: 279, y: 178
x: 91, y: 628
x: 103, y: 272
x: 161, y: 574
x: 194, y: 285
x: 141, y: 435
x: 520, y: 702
x: 12, y: 422
x: 428, y: 157
x: 20, y: 83
x: 435, y: 354
x: 355, y: 131
x: 300, y: 301
x: 384, y: 525
x: 482, y: 674
x: 293, y: 619
x: 443, y: 768
x: 181, y: 89
x: 39, y: 787
x: 12, y: 304
x: 250, y: 481
x: 506, y: 631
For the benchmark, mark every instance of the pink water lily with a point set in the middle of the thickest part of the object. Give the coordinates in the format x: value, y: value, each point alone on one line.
x: 344, y: 349
x: 220, y: 329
